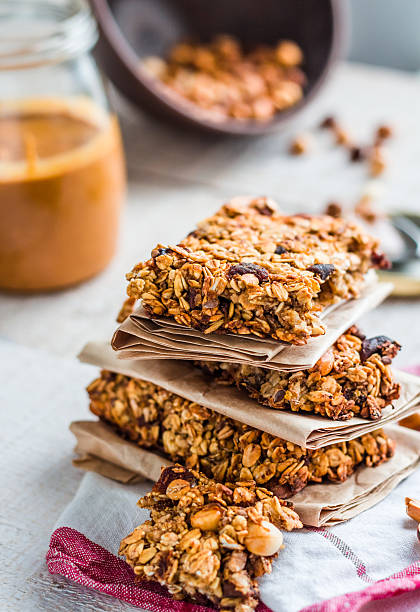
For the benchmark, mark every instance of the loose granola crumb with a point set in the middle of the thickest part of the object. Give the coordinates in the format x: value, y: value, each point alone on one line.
x: 217, y: 559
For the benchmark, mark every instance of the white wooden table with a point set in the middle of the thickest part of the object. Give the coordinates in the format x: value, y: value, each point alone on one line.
x: 175, y: 178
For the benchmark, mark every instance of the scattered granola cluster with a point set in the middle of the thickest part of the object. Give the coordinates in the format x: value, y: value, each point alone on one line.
x: 220, y: 447
x: 206, y: 541
x: 353, y: 377
x: 249, y: 270
x: 225, y: 81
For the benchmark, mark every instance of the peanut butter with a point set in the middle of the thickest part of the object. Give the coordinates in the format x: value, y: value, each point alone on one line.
x: 61, y: 188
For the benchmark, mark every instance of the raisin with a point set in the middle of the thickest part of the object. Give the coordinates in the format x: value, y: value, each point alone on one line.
x: 161, y: 252
x: 279, y: 396
x: 334, y: 210
x: 355, y: 331
x: 382, y: 345
x: 322, y: 270
x: 224, y: 305
x: 280, y: 250
x: 380, y: 260
x: 328, y: 123
x: 191, y: 295
x: 357, y: 154
x: 248, y: 268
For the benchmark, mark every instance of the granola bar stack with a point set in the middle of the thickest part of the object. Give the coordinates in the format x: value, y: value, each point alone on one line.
x: 246, y: 271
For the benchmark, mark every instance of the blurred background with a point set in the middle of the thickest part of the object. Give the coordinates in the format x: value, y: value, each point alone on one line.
x: 385, y: 33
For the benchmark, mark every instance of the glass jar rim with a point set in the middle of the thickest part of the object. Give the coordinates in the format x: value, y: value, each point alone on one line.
x: 40, y: 32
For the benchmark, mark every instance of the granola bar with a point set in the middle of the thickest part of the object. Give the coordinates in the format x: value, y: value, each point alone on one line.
x: 206, y: 541
x: 220, y: 447
x: 353, y: 377
x: 250, y: 270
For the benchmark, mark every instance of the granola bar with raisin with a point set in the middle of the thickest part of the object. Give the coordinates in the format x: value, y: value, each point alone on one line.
x: 353, y: 377
x: 220, y: 447
x: 206, y: 541
x: 250, y: 270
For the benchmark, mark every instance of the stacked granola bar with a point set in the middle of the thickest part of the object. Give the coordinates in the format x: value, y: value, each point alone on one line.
x: 219, y: 447
x: 207, y: 541
x: 247, y: 270
x: 353, y: 377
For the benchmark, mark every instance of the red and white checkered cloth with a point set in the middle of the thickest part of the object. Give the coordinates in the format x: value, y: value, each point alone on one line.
x: 72, y: 555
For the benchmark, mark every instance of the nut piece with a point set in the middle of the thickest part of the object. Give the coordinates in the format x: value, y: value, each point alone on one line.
x: 289, y: 54
x: 263, y: 539
x: 207, y: 518
x: 325, y: 363
x: 412, y: 507
x: 177, y: 488
x: 298, y: 146
x: 377, y: 162
x: 383, y: 132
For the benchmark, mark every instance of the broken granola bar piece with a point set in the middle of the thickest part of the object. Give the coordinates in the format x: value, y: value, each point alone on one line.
x: 208, y: 542
x: 230, y: 276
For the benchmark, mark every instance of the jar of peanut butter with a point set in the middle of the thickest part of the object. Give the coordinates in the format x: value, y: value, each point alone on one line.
x: 62, y: 175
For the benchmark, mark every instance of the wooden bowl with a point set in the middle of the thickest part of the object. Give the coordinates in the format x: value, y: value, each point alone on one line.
x: 134, y: 29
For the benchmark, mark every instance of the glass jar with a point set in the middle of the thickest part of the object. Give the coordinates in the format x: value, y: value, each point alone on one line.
x: 62, y: 175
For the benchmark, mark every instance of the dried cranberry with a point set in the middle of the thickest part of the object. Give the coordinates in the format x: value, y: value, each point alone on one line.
x: 382, y: 345
x: 280, y: 250
x: 248, y: 268
x: 322, y: 270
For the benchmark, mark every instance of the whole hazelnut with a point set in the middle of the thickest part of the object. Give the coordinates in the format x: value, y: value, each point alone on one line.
x: 264, y: 539
x: 289, y: 54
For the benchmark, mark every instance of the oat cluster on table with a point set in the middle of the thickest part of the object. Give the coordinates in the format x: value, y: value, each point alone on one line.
x: 250, y: 270
x: 225, y: 81
x: 208, y: 542
x: 220, y: 447
x: 354, y: 377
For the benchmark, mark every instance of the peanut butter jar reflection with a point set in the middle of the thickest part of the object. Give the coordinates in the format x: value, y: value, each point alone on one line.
x: 62, y: 183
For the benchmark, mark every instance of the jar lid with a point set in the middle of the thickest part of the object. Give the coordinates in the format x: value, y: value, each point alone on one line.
x: 38, y: 32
